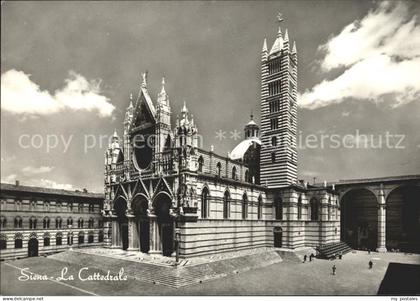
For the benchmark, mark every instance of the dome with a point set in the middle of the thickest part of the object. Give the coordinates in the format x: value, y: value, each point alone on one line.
x: 239, y: 151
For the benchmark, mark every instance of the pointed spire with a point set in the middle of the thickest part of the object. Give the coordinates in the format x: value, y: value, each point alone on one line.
x: 265, y: 49
x: 286, y: 35
x: 294, y: 47
x: 279, y: 33
x: 278, y: 43
x: 163, y: 86
x: 115, y: 135
x: 184, y: 108
x: 130, y: 106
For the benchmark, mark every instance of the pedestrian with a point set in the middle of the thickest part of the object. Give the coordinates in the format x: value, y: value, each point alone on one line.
x: 304, y: 258
x: 340, y: 255
x: 368, y: 251
x: 310, y: 257
x: 333, y: 269
x: 370, y: 264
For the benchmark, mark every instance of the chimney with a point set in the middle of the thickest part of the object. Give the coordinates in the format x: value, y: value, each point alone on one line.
x: 17, y: 183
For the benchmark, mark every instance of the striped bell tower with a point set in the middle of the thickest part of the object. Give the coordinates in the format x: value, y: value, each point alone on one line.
x: 278, y: 161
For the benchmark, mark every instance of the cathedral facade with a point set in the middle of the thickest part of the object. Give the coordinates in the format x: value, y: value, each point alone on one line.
x: 162, y: 190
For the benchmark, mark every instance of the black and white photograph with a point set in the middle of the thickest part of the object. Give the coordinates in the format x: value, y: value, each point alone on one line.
x: 210, y: 148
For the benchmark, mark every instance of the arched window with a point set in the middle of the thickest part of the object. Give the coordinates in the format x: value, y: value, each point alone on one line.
x: 226, y: 205
x: 69, y: 222
x: 59, y: 239
x: 91, y: 207
x: 244, y: 206
x: 299, y: 208
x: 46, y: 223
x: 205, y: 203
x: 274, y: 141
x: 200, y: 164
x: 100, y: 223
x: 219, y: 169
x: 46, y: 239
x: 81, y: 238
x: 273, y: 157
x: 314, y: 207
x: 18, y: 240
x: 18, y: 222
x: 234, y: 175
x: 80, y: 208
x: 58, y: 223
x: 3, y: 222
x: 329, y: 208
x: 247, y: 178
x: 90, y: 237
x: 3, y: 242
x: 32, y: 222
x: 80, y: 223
x: 279, y: 209
x: 91, y: 222
x: 101, y: 236
x: 260, y: 206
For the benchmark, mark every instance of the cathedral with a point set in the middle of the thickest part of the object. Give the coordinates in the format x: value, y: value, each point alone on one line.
x: 162, y: 190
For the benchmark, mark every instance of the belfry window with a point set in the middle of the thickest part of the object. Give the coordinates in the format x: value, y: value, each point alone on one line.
x: 274, y: 66
x: 273, y: 157
x: 274, y: 141
x: 274, y: 124
x: 274, y: 88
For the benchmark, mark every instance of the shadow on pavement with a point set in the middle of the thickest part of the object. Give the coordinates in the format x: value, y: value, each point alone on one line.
x: 401, y: 279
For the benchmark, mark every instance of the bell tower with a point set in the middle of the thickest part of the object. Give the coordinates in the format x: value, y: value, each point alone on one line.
x: 278, y: 159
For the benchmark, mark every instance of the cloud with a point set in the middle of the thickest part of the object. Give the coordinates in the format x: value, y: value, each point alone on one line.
x: 380, y: 55
x: 9, y: 179
x: 20, y: 95
x: 30, y: 170
x: 51, y: 184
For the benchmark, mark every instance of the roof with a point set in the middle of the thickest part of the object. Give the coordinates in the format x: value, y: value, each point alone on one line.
x: 239, y: 151
x: 149, y: 101
x: 43, y: 190
x: 277, y: 46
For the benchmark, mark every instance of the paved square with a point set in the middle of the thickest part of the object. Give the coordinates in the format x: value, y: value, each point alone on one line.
x: 353, y: 277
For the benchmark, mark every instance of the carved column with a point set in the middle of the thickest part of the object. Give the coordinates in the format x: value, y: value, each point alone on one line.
x: 115, y: 239
x: 133, y: 234
x: 381, y: 222
x: 155, y: 245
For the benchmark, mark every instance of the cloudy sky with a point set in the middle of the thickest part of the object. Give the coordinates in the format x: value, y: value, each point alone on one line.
x: 68, y: 68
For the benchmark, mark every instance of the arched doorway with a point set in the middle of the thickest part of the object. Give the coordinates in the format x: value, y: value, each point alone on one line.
x: 139, y: 205
x: 163, y: 204
x: 278, y: 237
x: 120, y: 207
x: 403, y: 219
x: 33, y: 247
x: 359, y: 219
